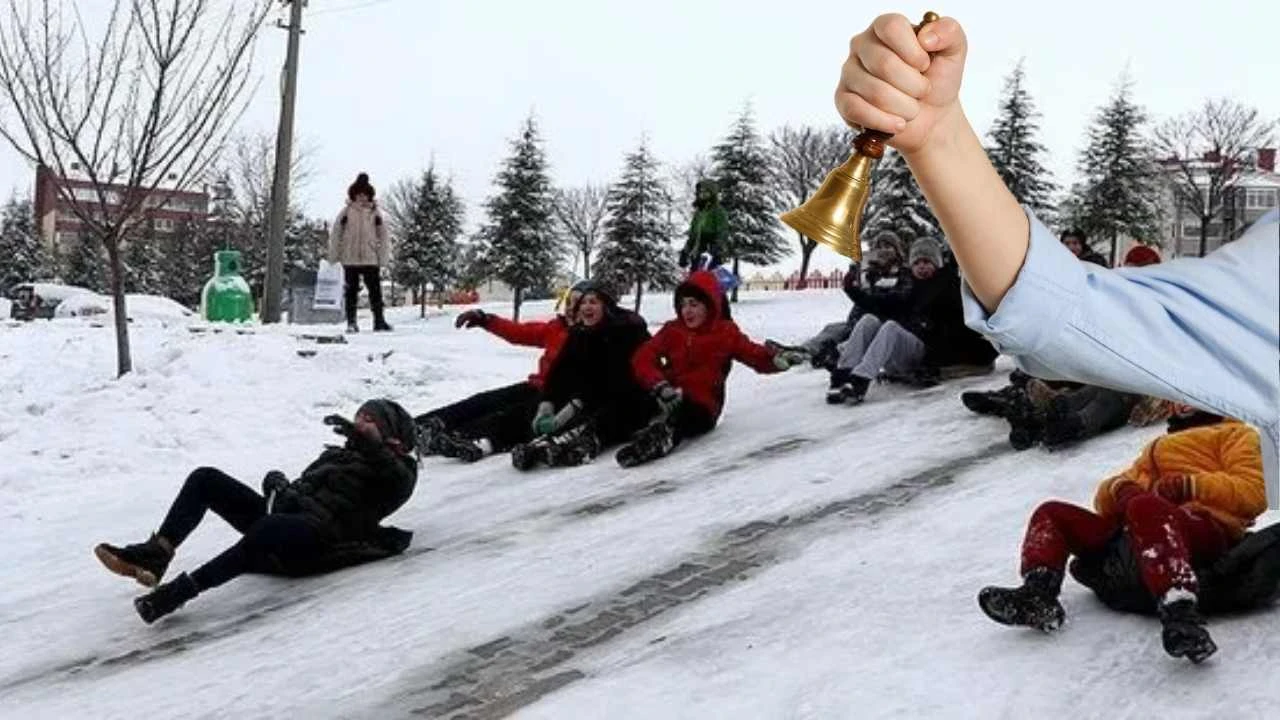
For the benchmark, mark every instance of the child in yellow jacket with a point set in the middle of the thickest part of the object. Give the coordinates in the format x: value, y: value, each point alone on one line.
x: 1184, y: 502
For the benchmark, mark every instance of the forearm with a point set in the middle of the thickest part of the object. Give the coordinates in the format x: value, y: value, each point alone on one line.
x: 986, y: 227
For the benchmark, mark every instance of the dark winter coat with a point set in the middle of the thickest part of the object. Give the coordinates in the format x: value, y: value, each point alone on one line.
x: 892, y: 283
x: 348, y: 490
x: 549, y: 335
x: 696, y: 360
x: 594, y: 365
x: 1090, y: 255
x: 932, y: 310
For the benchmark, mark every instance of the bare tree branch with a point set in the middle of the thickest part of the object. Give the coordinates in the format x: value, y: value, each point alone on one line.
x: 147, y: 105
x: 581, y: 212
x: 1207, y: 150
x: 802, y: 158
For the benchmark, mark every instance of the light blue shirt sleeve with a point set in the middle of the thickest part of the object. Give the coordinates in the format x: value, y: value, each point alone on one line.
x: 1204, y: 331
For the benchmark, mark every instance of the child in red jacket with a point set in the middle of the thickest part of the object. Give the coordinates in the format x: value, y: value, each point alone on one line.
x: 685, y: 367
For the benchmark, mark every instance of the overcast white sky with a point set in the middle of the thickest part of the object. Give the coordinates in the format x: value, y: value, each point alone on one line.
x: 385, y: 85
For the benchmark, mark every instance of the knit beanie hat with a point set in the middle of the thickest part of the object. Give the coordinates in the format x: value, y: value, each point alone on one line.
x: 1141, y: 255
x: 888, y: 239
x: 928, y: 249
x: 360, y: 187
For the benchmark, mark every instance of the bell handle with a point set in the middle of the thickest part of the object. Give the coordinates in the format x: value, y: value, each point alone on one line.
x: 871, y: 142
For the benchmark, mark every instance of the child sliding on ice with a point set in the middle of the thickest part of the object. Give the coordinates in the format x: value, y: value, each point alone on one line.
x: 325, y: 520
x: 1183, y: 504
x: 685, y: 365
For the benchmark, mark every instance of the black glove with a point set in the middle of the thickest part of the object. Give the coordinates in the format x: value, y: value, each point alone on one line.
x: 273, y: 486
x: 472, y: 318
x: 668, y: 397
x: 274, y: 482
x: 340, y: 425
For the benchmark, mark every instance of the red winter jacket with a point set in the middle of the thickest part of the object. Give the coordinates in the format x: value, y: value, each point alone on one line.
x: 698, y: 360
x: 549, y: 335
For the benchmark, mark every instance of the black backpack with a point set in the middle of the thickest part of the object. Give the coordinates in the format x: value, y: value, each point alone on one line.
x: 1246, y: 578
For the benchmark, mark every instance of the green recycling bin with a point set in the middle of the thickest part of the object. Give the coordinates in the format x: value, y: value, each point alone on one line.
x: 226, y: 297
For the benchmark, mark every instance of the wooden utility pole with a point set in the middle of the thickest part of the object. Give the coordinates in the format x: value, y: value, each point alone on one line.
x: 284, y: 161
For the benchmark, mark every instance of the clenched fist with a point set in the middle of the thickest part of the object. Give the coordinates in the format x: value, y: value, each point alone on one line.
x: 903, y: 83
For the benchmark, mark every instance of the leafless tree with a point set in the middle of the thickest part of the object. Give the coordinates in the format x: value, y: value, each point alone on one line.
x: 249, y: 164
x: 1206, y: 151
x: 139, y: 111
x: 802, y: 158
x: 580, y: 211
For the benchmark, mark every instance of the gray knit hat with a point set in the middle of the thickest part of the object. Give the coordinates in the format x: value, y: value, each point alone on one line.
x: 927, y: 248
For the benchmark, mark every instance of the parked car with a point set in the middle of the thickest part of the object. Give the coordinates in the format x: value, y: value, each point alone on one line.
x: 40, y: 301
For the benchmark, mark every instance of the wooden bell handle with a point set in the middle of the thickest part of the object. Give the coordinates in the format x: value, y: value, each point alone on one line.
x: 871, y: 142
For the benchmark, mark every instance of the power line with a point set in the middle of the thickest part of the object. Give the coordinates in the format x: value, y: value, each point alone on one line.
x: 346, y: 8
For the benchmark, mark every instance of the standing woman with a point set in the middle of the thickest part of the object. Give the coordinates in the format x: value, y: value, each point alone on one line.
x: 359, y: 241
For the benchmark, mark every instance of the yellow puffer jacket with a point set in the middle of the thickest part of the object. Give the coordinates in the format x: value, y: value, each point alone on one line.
x: 1223, y: 463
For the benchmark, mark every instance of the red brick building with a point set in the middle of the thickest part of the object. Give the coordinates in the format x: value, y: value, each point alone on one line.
x: 58, y: 224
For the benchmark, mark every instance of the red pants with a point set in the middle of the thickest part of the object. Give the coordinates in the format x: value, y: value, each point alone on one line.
x: 1167, y: 539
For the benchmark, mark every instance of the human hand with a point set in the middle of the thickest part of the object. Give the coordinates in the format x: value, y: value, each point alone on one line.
x: 471, y: 318
x: 1177, y: 489
x: 891, y: 83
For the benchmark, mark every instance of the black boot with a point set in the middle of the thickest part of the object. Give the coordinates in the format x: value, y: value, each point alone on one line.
x: 1184, y: 634
x: 653, y: 442
x: 428, y: 428
x: 144, y: 562
x: 995, y: 403
x: 380, y: 323
x: 575, y: 446
x: 1033, y: 604
x: 166, y: 598
x: 526, y: 456
x: 852, y: 389
x: 835, y: 391
x: 1026, y: 423
x: 458, y: 447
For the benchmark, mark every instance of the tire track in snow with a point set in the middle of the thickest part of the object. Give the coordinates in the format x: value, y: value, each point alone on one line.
x: 498, y: 677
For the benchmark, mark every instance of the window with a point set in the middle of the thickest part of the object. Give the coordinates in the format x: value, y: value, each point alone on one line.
x: 1190, y: 229
x: 164, y: 225
x: 1215, y: 230
x: 1260, y: 198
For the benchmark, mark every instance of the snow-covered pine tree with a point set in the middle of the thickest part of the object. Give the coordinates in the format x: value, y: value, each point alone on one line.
x: 428, y: 250
x: 636, y: 249
x: 522, y: 246
x: 83, y: 263
x: 305, y: 242
x: 896, y: 202
x: 22, y: 254
x: 187, y: 262
x: 143, y: 251
x: 1016, y: 150
x: 1119, y: 193
x: 741, y: 166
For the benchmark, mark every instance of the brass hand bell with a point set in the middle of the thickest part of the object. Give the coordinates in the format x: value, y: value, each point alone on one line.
x: 833, y: 215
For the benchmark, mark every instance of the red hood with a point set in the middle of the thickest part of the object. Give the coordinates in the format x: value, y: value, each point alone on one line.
x: 702, y: 284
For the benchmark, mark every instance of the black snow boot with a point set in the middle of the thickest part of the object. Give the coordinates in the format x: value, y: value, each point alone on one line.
x: 575, y: 446
x: 825, y: 358
x: 995, y: 403
x: 1026, y: 423
x: 526, y: 456
x: 852, y: 389
x: 1184, y: 634
x: 1033, y: 604
x: 453, y: 445
x: 380, y: 323
x: 353, y: 326
x: 428, y: 428
x: 653, y: 442
x: 144, y: 562
x: 166, y: 598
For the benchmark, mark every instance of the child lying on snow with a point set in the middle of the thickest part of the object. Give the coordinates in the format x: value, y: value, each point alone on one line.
x: 325, y: 520
x: 684, y: 368
x: 1183, y: 504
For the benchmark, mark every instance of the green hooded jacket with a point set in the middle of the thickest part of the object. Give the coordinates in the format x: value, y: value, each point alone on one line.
x: 709, y: 229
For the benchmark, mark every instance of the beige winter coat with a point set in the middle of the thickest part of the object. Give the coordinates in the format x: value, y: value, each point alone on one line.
x: 359, y: 236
